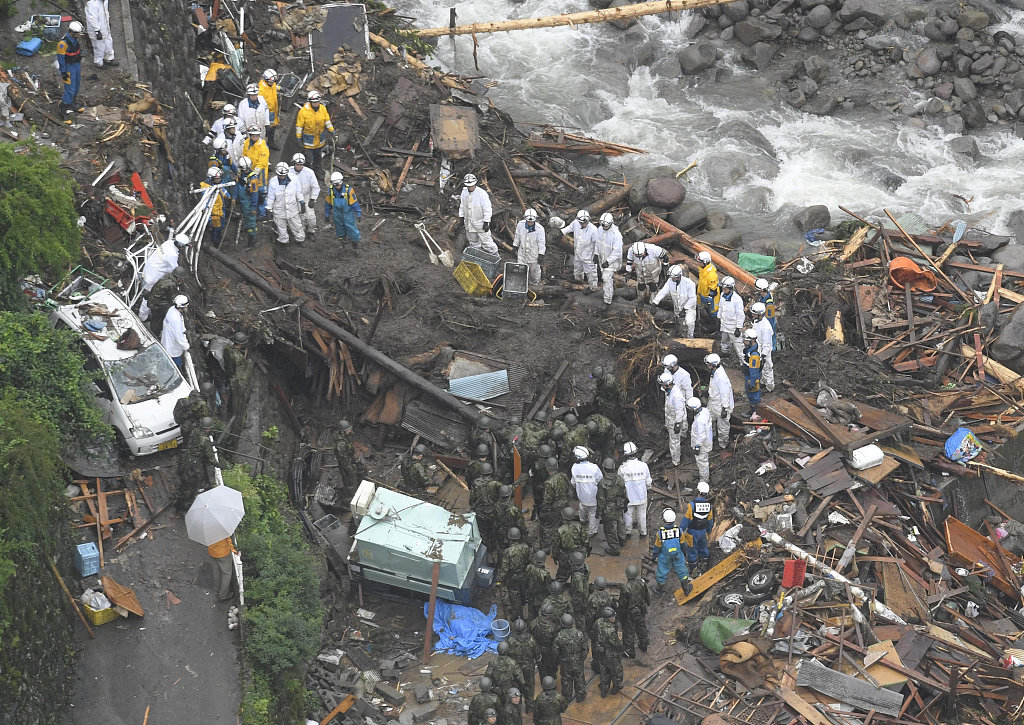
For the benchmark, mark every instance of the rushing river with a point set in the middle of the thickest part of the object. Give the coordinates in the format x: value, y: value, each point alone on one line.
x: 587, y: 78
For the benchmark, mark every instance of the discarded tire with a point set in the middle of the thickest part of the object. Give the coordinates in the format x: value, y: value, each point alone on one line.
x: 729, y: 600
x: 761, y: 581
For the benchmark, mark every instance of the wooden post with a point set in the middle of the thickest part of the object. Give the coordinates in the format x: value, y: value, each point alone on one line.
x: 430, y: 612
x: 74, y: 604
x: 742, y: 276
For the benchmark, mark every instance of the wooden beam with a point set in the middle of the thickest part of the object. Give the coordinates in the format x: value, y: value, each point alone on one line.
x: 812, y: 412
x: 694, y: 245
x: 73, y: 602
x: 127, y: 537
x: 342, y: 708
x: 718, y: 572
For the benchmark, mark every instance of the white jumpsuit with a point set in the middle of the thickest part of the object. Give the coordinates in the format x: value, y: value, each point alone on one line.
x: 684, y: 382
x: 684, y: 300
x: 584, y: 241
x: 474, y: 210
x: 309, y: 190
x: 161, y: 261
x: 172, y: 335
x: 585, y: 477
x: 720, y: 400
x: 529, y: 245
x: 283, y: 200
x: 730, y: 316
x: 765, y: 340
x: 637, y: 477
x: 609, y: 251
x: 675, y: 415
x: 253, y: 115
x: 701, y: 442
x: 97, y: 24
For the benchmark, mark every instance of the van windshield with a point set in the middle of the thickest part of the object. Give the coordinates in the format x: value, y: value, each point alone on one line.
x: 147, y: 375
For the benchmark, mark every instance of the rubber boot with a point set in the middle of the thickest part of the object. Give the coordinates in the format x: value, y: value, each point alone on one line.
x: 687, y: 586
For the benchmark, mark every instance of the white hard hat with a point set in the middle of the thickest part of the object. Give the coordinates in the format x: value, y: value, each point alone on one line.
x: 607, y: 219
x: 668, y: 516
x: 704, y: 257
x: 337, y: 177
x: 728, y: 282
x: 761, y: 283
x: 703, y: 488
x: 281, y: 168
x: 530, y: 215
x: 254, y: 130
x: 583, y: 215
x: 229, y: 109
x: 669, y: 360
x: 712, y: 359
x: 75, y: 27
x: 750, y: 334
x: 676, y: 270
x: 245, y: 163
x: 230, y: 122
x: 581, y: 453
x: 252, y: 89
x: 314, y: 96
x: 220, y: 143
x: 758, y: 308
x: 182, y: 240
x: 181, y: 301
x: 693, y: 403
x: 629, y: 449
x: 299, y: 159
x: 214, y: 172
x: 270, y: 74
x: 469, y: 180
x: 665, y: 379
x: 639, y: 249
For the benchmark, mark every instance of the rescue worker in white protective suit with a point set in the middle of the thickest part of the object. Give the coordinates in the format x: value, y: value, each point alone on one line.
x: 217, y: 127
x: 309, y: 190
x: 173, y: 337
x: 675, y: 415
x: 584, y: 240
x: 234, y: 140
x: 253, y: 111
x: 701, y: 437
x: 529, y: 243
x: 731, y: 318
x: 679, y: 375
x: 646, y: 260
x: 637, y: 477
x: 765, y: 342
x: 160, y: 262
x: 284, y: 201
x: 475, y: 212
x: 585, y: 477
x: 97, y: 23
x: 720, y: 397
x: 683, y: 292
x: 608, y: 254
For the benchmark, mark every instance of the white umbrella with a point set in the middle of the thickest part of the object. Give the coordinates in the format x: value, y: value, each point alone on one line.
x: 214, y: 515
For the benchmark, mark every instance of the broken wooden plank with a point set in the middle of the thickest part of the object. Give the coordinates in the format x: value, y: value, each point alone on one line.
x: 802, y: 708
x: 718, y: 572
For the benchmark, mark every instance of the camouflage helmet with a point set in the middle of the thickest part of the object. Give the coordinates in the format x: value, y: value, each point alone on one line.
x: 505, y: 491
x: 503, y: 647
x: 239, y: 338
x: 570, y: 419
x: 556, y: 587
x: 344, y: 426
x: 520, y: 625
x: 557, y: 434
x: 514, y: 534
x: 548, y: 683
x: 206, y: 422
x: 513, y: 692
x: 540, y: 556
x: 206, y: 387
x: 607, y: 613
x: 486, y: 470
x: 568, y: 513
x: 597, y: 372
x: 632, y: 572
x: 541, y: 416
x: 490, y: 712
x: 485, y: 684
x: 483, y: 450
x: 547, y: 609
x: 545, y: 451
x: 578, y: 558
x: 608, y: 464
x: 591, y: 427
x: 567, y: 620
x: 420, y: 449
x: 551, y: 463
x: 600, y: 583
x: 484, y: 423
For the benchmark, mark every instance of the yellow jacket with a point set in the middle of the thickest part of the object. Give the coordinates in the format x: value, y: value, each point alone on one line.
x: 220, y: 549
x: 707, y: 287
x: 269, y: 93
x: 259, y: 154
x: 310, y: 126
x: 218, y: 201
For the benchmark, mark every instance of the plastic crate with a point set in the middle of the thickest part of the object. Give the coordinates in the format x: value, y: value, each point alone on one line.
x: 99, y: 616
x: 489, y: 263
x: 516, y: 282
x: 87, y: 559
x: 793, y: 572
x: 472, y: 278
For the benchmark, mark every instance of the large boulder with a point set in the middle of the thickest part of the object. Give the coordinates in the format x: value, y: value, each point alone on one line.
x: 730, y: 238
x: 689, y: 216
x: 816, y: 67
x: 973, y: 19
x: 1009, y: 346
x: 736, y: 11
x: 812, y: 217
x: 1011, y: 256
x: 665, y: 192
x: 882, y: 41
x: 755, y: 30
x: 759, y: 56
x: 822, y: 105
x: 964, y: 89
x: 973, y: 114
x: 818, y: 17
x: 870, y: 10
x: 965, y: 146
x: 740, y: 130
x: 697, y: 57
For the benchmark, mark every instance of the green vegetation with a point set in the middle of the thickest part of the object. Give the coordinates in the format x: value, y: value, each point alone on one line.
x: 38, y: 228
x: 283, y: 613
x: 42, y: 367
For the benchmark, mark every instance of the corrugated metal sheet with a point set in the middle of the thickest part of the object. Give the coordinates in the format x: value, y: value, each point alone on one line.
x: 480, y: 387
x: 435, y: 424
x: 911, y: 222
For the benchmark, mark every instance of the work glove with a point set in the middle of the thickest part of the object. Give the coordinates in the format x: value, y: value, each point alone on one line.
x: 595, y: 260
x: 66, y: 77
x: 540, y: 259
x: 302, y: 207
x: 606, y: 265
x: 359, y: 216
x: 677, y: 428
x: 725, y: 413
x: 736, y: 332
x: 99, y: 35
x: 487, y: 226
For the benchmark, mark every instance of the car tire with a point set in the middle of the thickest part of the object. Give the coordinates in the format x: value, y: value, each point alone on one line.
x: 761, y: 581
x: 750, y: 598
x: 728, y: 600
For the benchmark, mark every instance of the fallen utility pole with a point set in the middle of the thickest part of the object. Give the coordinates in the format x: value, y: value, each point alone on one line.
x: 372, y: 354
x: 694, y: 245
x: 571, y: 19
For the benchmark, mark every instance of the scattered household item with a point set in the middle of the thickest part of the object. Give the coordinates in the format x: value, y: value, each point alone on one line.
x: 463, y: 631
x: 489, y: 263
x: 866, y: 457
x: 442, y: 255
x: 905, y: 272
x: 962, y: 446
x: 29, y: 47
x: 793, y: 573
x: 500, y: 628
x: 472, y: 278
x: 214, y: 515
x: 87, y: 559
x: 516, y: 282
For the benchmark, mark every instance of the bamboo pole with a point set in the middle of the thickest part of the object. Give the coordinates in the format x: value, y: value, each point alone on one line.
x: 655, y: 7
x: 695, y: 245
x: 74, y: 604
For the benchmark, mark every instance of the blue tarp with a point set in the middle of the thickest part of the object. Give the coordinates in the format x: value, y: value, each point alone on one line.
x: 962, y: 446
x: 462, y: 630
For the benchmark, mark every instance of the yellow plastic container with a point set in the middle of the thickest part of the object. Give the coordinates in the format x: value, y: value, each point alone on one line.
x: 99, y: 616
x: 472, y: 278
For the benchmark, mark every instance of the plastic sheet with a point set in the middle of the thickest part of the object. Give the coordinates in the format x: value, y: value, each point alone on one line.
x: 463, y: 631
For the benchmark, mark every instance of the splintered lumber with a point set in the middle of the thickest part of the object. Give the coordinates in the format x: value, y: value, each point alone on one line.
x: 856, y: 242
x: 1000, y: 372
x: 695, y: 245
x: 74, y: 604
x: 122, y: 596
x: 718, y: 572
x: 655, y: 7
x: 343, y: 707
x: 419, y: 65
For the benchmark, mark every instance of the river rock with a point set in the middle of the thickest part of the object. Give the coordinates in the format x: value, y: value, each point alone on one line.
x: 965, y: 89
x: 689, y: 216
x: 665, y: 192
x: 818, y: 17
x: 928, y: 61
x: 881, y: 42
x: 719, y: 220
x: 949, y: 27
x: 622, y: 23
x: 1012, y: 255
x: 822, y: 105
x: 759, y: 55
x: 856, y: 9
x: 754, y: 30
x: 973, y: 19
x: 974, y: 114
x: 933, y: 31
x: 730, y: 238
x: 965, y: 146
x: 743, y: 131
x: 812, y: 217
x: 736, y: 11
x: 816, y: 67
x: 696, y: 58
x: 982, y: 64
x: 934, y: 107
x: 1010, y: 344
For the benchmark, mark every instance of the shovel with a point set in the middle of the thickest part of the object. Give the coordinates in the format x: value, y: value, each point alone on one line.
x: 443, y: 255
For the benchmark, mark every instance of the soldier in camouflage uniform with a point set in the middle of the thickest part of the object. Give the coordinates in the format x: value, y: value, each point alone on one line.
x: 557, y: 436
x: 579, y: 585
x: 539, y: 475
x: 571, y: 536
x: 415, y: 473
x: 482, y: 701
x: 511, y: 574
x: 598, y: 600
x: 490, y: 717
x: 483, y: 500
x: 608, y: 652
x: 571, y: 648
x: 238, y: 368
x: 603, y: 434
x: 544, y: 628
x: 523, y: 648
x: 512, y: 713
x: 559, y: 599
x: 557, y: 491
x: 349, y: 468
x: 507, y: 515
x: 610, y: 397
x: 578, y: 436
x: 188, y: 412
x: 504, y: 673
x: 549, y: 705
x: 611, y: 507
x: 534, y: 435
x: 536, y: 582
x: 634, y: 599
x: 195, y: 459
x: 483, y: 458
x: 161, y: 297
